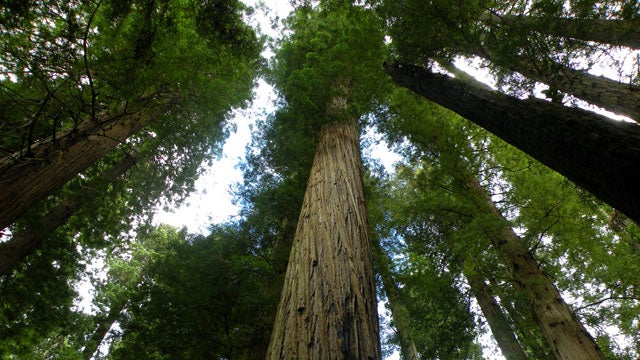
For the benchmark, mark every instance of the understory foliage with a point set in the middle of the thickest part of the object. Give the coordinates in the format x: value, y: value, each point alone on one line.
x: 162, y: 293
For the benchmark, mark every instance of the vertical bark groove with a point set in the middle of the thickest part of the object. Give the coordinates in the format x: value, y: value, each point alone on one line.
x: 328, y: 304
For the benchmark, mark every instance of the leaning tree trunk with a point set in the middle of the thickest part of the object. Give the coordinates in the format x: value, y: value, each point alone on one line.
x: 399, y: 311
x: 497, y: 320
x: 614, y: 32
x: 102, y: 329
x: 328, y: 304
x: 25, y: 241
x: 54, y: 162
x: 614, y: 96
x: 597, y: 153
x: 564, y: 333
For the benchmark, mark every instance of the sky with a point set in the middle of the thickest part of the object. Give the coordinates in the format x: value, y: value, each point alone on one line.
x: 212, y: 201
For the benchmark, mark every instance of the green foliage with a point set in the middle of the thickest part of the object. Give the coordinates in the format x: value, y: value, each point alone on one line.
x: 198, y: 298
x: 77, y: 60
x: 215, y: 296
x: 564, y: 228
x: 333, y: 52
x: 37, y: 300
x: 67, y: 62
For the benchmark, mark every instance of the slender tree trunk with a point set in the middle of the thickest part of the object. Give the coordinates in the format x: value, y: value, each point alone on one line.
x: 104, y: 325
x: 25, y: 182
x: 566, y: 336
x: 597, y: 153
x: 619, y: 98
x: 25, y: 241
x: 399, y: 312
x: 613, y: 32
x: 328, y: 305
x: 498, y: 322
x: 536, y: 343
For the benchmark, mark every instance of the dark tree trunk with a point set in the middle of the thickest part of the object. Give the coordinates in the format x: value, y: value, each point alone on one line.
x: 25, y: 241
x: 613, y: 32
x: 328, y: 304
x: 24, y: 182
x: 597, y: 153
x: 497, y: 320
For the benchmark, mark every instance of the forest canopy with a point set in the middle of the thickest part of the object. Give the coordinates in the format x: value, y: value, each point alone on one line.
x: 508, y: 226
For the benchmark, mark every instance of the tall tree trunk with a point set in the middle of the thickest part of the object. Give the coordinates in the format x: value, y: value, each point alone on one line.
x: 597, y: 153
x: 25, y: 241
x: 104, y: 325
x: 399, y: 312
x: 566, y: 336
x: 54, y: 162
x: 613, y: 31
x: 498, y: 322
x: 328, y: 305
x: 619, y: 98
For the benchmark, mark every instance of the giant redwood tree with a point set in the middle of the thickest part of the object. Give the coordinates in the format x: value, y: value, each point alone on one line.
x: 328, y: 302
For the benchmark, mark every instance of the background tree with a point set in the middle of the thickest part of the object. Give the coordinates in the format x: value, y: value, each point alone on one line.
x: 197, y: 298
x: 445, y: 31
x: 137, y: 63
x: 427, y: 130
x: 169, y: 151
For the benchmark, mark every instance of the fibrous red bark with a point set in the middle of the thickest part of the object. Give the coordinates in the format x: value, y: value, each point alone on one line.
x: 328, y: 304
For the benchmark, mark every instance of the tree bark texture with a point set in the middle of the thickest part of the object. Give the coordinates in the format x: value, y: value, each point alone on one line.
x: 599, y: 154
x: 613, y: 31
x: 25, y: 241
x: 497, y: 320
x: 328, y: 304
x: 564, y: 333
x: 54, y: 162
x: 614, y: 96
x: 399, y: 312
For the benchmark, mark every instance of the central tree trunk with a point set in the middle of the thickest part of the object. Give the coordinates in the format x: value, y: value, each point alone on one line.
x: 328, y: 305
